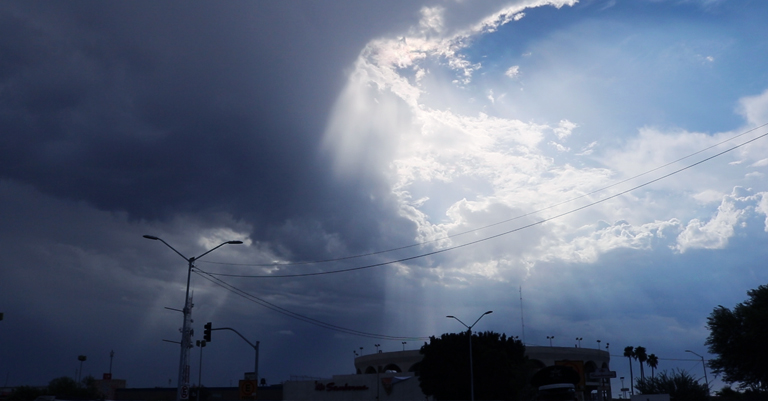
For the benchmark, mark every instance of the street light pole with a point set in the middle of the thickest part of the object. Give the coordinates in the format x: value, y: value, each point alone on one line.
x: 471, y: 371
x: 704, y: 366
x: 623, y: 389
x: 182, y: 392
x: 82, y: 359
x: 111, y: 356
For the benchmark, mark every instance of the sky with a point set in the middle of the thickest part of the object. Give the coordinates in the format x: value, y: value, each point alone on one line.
x: 592, y: 169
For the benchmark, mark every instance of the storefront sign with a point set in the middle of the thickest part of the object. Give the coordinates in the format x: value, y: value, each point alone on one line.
x: 333, y: 387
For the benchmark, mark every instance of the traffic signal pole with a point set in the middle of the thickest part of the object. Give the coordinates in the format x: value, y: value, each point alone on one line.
x: 200, y: 344
x: 255, y: 347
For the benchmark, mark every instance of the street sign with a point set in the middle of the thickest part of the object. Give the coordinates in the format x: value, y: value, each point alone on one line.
x: 247, y: 389
x: 603, y: 374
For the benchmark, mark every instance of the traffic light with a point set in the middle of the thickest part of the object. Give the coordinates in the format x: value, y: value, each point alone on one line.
x: 207, y: 332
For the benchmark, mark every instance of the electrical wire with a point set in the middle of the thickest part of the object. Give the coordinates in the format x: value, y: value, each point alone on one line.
x: 279, y: 264
x: 294, y: 315
x: 493, y: 236
x: 662, y: 359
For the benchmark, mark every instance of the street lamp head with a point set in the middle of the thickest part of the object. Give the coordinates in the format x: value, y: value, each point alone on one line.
x: 487, y: 313
x: 151, y: 237
x: 234, y: 242
x: 694, y: 353
x: 451, y: 317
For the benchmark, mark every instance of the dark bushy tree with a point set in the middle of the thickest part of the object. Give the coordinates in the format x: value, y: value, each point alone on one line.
x: 61, y: 387
x: 68, y: 389
x: 729, y: 394
x: 738, y: 338
x: 679, y: 385
x: 500, y: 367
x: 25, y: 393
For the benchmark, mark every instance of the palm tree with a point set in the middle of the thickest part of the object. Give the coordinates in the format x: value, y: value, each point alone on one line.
x: 653, y: 362
x: 642, y: 356
x: 629, y: 352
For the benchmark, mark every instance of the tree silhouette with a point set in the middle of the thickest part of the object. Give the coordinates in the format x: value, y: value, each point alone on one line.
x: 68, y: 388
x: 738, y: 338
x: 629, y: 352
x: 500, y: 367
x: 25, y: 393
x: 679, y: 385
x: 641, y: 355
x: 653, y: 363
x: 64, y: 387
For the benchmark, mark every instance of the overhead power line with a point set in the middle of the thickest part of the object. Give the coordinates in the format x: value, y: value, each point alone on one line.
x: 362, y: 255
x: 492, y: 236
x: 294, y: 315
x: 250, y: 297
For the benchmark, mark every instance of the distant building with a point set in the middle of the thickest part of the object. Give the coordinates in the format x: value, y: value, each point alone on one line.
x: 390, y: 375
x: 108, y: 386
x: 273, y: 392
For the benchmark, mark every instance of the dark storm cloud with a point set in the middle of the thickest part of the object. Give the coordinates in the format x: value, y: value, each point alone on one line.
x: 163, y: 108
x: 123, y: 119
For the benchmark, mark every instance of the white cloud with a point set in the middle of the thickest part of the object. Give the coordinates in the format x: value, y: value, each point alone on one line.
x: 715, y: 233
x: 559, y: 147
x: 513, y: 71
x: 564, y: 129
x: 709, y: 196
x: 587, y: 150
x: 431, y: 19
x: 762, y: 207
x: 755, y: 108
x: 601, y: 238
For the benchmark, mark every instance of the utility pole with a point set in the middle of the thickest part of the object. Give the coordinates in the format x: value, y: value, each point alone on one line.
x: 182, y: 391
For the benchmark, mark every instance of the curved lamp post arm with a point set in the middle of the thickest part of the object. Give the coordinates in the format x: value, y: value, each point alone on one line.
x: 478, y: 319
x: 219, y: 246
x: 462, y: 323
x: 152, y: 237
x: 704, y: 366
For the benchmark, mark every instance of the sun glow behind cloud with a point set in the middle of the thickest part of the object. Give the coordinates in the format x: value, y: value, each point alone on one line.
x: 410, y: 109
